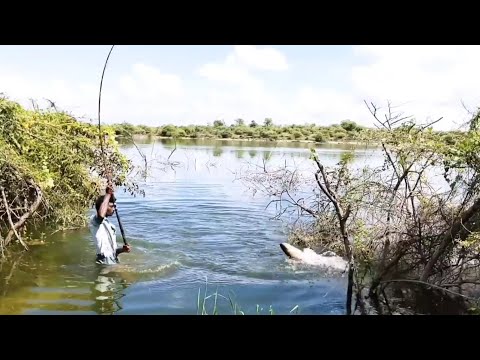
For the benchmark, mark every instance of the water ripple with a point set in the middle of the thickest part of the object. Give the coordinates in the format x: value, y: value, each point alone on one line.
x: 196, y: 226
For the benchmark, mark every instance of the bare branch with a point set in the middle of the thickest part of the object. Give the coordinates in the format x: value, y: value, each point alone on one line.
x: 5, y: 203
x: 25, y: 216
x: 175, y: 148
x: 428, y: 285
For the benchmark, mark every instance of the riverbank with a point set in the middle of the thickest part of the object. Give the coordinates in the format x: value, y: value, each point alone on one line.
x: 142, y: 137
x: 51, y: 170
x: 193, y: 227
x: 347, y: 132
x: 199, y: 224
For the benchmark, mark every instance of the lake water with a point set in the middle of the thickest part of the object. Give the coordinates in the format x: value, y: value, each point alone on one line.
x: 197, y: 231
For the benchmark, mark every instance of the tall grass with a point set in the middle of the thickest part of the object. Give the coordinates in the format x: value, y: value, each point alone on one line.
x: 235, y: 308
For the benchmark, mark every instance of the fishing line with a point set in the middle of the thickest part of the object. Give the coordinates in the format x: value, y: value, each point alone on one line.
x: 107, y: 171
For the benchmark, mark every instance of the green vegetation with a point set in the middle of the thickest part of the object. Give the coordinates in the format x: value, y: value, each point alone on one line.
x: 216, y: 297
x: 51, y: 169
x: 347, y: 130
x: 393, y: 223
x: 412, y: 222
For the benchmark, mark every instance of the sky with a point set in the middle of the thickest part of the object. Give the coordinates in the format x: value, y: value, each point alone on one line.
x: 157, y: 85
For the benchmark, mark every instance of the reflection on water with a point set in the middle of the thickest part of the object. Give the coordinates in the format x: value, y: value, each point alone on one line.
x: 60, y: 276
x: 196, y: 224
x: 107, y: 291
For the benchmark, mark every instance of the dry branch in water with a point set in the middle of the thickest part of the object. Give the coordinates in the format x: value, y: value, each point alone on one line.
x: 416, y: 216
x: 12, y: 225
x: 151, y: 163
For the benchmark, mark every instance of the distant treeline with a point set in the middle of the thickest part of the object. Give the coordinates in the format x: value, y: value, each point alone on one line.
x: 347, y: 130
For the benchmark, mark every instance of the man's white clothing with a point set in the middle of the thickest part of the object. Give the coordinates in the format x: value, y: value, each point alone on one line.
x: 105, y: 240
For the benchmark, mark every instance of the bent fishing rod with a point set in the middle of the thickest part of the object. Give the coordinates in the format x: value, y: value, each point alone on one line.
x: 109, y: 175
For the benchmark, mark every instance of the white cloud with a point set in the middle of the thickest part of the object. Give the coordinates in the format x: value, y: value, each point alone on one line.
x: 431, y: 81
x: 234, y: 90
x: 325, y: 105
x: 238, y: 65
x: 228, y: 72
x: 20, y: 88
x: 248, y: 104
x: 263, y: 58
x: 148, y: 82
x: 143, y: 95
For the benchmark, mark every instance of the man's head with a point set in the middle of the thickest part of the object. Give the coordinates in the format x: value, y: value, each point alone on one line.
x: 111, y: 205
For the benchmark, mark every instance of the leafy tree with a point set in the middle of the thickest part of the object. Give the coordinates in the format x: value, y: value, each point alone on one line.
x: 52, y: 167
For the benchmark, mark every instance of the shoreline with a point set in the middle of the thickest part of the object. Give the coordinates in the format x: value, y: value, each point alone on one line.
x: 286, y: 141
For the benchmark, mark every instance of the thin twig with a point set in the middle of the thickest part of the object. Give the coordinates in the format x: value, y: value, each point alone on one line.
x: 175, y: 148
x: 428, y: 284
x: 5, y: 203
x: 25, y: 216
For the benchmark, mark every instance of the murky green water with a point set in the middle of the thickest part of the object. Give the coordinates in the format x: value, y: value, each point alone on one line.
x: 195, y: 227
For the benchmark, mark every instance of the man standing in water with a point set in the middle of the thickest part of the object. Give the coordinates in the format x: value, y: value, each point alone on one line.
x: 104, y: 232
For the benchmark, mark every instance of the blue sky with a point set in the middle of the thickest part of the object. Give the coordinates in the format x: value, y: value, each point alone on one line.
x: 156, y: 85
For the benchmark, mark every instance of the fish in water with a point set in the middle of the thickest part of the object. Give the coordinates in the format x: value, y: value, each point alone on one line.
x: 328, y: 259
